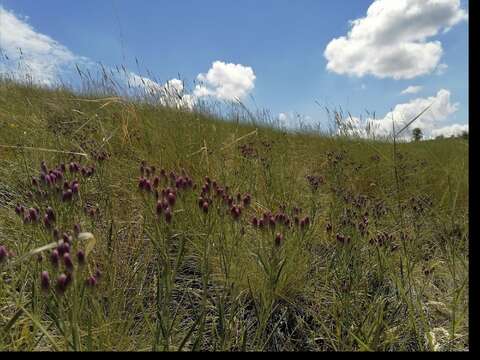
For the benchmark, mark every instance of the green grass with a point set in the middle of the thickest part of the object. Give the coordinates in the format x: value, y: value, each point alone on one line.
x: 208, y: 281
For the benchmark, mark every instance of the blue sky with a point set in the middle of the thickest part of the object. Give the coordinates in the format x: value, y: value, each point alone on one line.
x: 283, y: 42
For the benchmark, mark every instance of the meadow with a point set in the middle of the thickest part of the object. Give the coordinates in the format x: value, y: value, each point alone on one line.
x: 130, y: 226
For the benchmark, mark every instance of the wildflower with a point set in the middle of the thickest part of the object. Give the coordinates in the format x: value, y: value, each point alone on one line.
x: 67, y: 195
x: 34, y: 215
x: 91, y: 281
x: 156, y: 181
x: 47, y: 222
x: 171, y: 198
x: 159, y: 207
x: 45, y: 280
x: 68, y: 239
x: 75, y: 187
x: 254, y: 222
x: 247, y: 199
x: 63, y: 248
x: 43, y: 167
x: 3, y: 254
x: 67, y: 260
x: 81, y: 257
x: 236, y: 211
x: 278, y: 240
x: 168, y: 215
x: 77, y: 229
x: 50, y: 214
x: 62, y: 283
x: 18, y: 209
x: 35, y: 181
x: 205, y: 207
x: 54, y: 257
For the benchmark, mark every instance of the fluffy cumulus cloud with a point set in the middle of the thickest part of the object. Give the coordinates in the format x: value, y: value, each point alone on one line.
x: 431, y: 122
x: 29, y: 55
x: 393, y: 39
x: 450, y: 130
x: 412, y: 90
x: 226, y: 81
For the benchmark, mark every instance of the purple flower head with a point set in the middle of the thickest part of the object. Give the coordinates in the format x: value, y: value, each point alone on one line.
x: 278, y: 240
x: 254, y: 222
x: 205, y: 207
x: 171, y: 198
x: 156, y: 181
x: 47, y: 222
x: 67, y: 195
x: 91, y: 281
x: 168, y: 215
x: 247, y: 199
x: 159, y: 207
x: 77, y: 229
x: 141, y: 183
x: 54, y: 257
x: 3, y: 254
x: 62, y: 283
x: 43, y: 167
x: 45, y: 280
x: 81, y: 257
x: 63, y: 248
x: 50, y: 214
x: 18, y: 209
x: 75, y: 187
x: 236, y: 211
x: 34, y: 215
x: 67, y: 260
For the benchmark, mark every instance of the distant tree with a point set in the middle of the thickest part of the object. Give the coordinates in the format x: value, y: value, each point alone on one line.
x: 417, y: 134
x: 439, y: 137
x: 464, y: 135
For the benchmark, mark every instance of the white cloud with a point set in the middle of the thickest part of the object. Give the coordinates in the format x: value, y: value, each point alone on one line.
x: 447, y: 131
x: 440, y: 109
x: 29, y: 55
x: 412, y: 90
x: 392, y: 39
x: 226, y: 81
x: 435, y: 117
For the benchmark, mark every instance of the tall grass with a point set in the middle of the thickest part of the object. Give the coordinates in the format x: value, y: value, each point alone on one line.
x: 346, y: 244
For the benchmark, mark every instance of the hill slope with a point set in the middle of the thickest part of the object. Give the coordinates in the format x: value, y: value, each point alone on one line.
x: 255, y: 239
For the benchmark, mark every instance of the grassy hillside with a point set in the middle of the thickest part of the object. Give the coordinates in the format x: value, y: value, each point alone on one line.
x: 254, y: 239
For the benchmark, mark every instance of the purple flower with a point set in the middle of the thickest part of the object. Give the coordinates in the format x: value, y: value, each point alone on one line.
x: 3, y: 254
x: 54, y: 257
x: 205, y: 207
x: 67, y: 260
x: 50, y: 214
x: 171, y: 198
x: 43, y: 167
x: 91, y: 281
x: 45, y: 280
x: 62, y: 283
x: 75, y: 187
x: 81, y: 257
x: 77, y: 229
x: 67, y: 195
x: 168, y: 215
x: 278, y: 240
